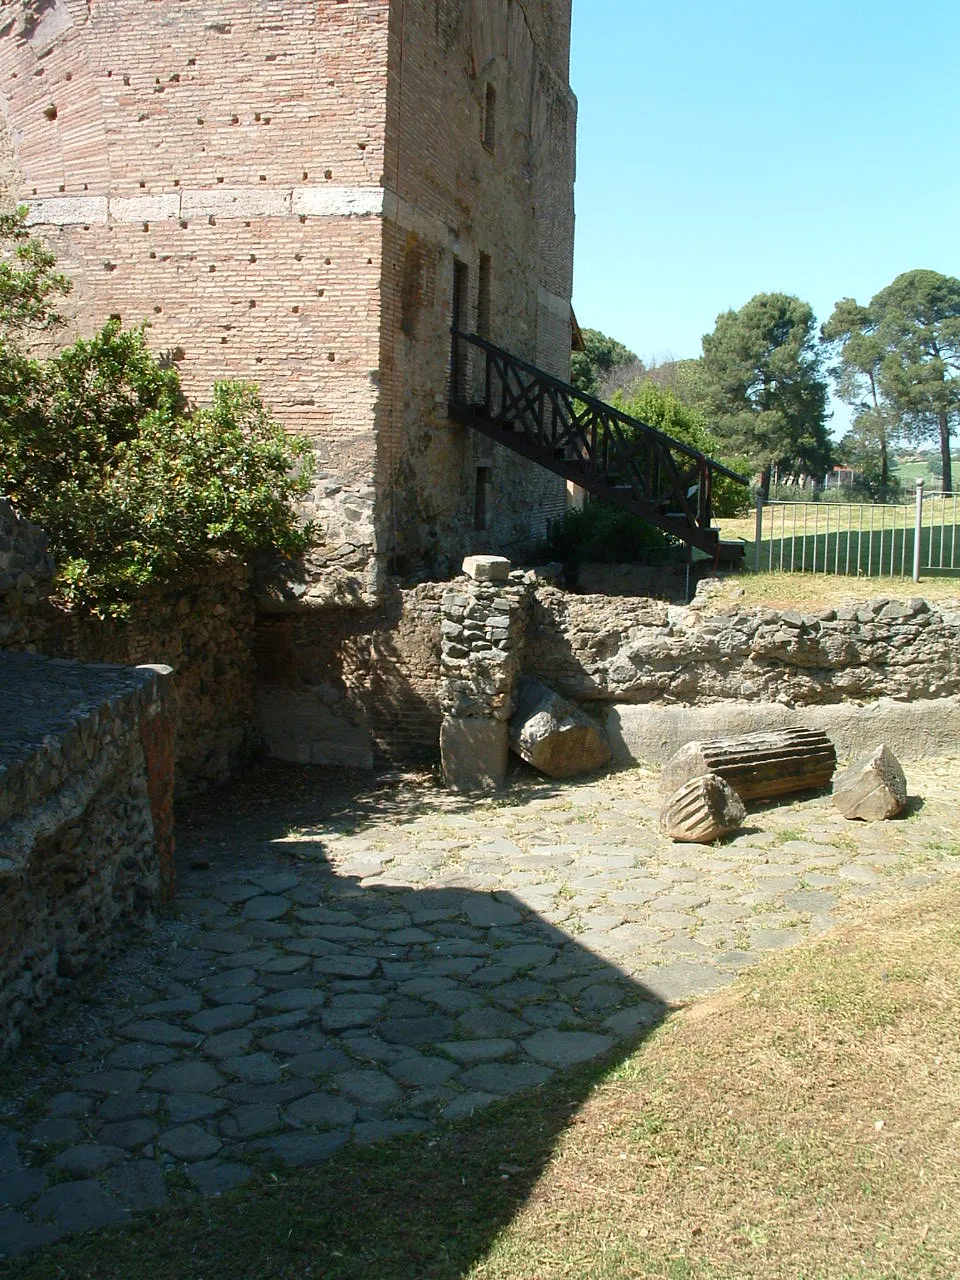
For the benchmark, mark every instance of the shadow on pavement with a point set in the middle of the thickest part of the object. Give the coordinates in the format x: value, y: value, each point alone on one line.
x: 320, y: 1018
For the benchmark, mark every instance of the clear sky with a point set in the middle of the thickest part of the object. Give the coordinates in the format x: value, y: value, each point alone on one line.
x: 731, y: 147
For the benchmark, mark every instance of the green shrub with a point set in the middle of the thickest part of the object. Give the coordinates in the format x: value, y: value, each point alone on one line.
x: 98, y: 447
x: 606, y: 534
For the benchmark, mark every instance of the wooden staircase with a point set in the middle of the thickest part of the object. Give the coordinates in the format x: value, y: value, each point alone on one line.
x: 608, y: 453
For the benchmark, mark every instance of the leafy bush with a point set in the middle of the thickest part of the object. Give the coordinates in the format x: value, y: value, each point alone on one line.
x: 98, y: 447
x: 660, y: 408
x: 606, y: 534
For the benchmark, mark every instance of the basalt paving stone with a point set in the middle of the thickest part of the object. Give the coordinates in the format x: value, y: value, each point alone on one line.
x: 321, y: 1111
x: 78, y: 1206
x: 301, y: 1150
x: 138, y: 1184
x: 137, y: 1056
x: 266, y: 907
x: 467, y: 1052
x: 250, y: 1121
x: 128, y: 1133
x: 422, y: 1072
x: 189, y: 1142
x: 18, y: 1185
x: 113, y: 1081
x: 237, y: 892
x: 235, y: 995
x: 347, y: 1018
x: 186, y: 1108
x: 18, y: 1235
x: 127, y: 1106
x: 253, y: 1068
x: 285, y: 965
x: 214, y: 1177
x: 292, y: 998
x: 87, y: 1158
x: 227, y: 1043
x: 223, y: 1017
x: 505, y: 1077
x: 186, y: 1077
x: 155, y: 1031
x: 566, y: 1048
x: 176, y: 1007
x: 55, y: 1131
x: 317, y: 1065
x: 268, y: 930
x: 277, y: 881
x: 283, y: 1093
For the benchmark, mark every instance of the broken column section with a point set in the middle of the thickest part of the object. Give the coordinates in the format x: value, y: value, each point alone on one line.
x: 483, y: 620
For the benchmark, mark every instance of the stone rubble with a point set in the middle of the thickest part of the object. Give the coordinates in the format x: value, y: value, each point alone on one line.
x: 873, y: 788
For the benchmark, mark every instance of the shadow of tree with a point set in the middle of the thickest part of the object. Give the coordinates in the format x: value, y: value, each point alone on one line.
x: 475, y: 1009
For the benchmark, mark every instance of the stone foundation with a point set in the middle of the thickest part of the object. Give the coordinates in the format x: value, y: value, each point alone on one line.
x: 86, y: 820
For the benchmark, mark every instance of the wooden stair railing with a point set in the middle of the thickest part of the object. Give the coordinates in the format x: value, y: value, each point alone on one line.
x: 607, y: 452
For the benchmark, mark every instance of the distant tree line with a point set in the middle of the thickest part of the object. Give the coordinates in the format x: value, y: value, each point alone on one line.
x: 760, y: 387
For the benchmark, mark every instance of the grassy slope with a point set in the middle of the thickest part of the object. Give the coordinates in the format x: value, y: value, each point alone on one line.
x: 803, y: 1125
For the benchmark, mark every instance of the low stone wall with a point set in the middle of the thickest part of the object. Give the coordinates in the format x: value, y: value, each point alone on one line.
x: 202, y: 629
x: 86, y: 820
x: 593, y: 648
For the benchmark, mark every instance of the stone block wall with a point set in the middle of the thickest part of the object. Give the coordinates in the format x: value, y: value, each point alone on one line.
x: 86, y: 835
x: 594, y: 648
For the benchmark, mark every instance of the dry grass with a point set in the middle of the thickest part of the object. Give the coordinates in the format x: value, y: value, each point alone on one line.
x: 803, y: 1126
x: 809, y: 592
x: 806, y: 1126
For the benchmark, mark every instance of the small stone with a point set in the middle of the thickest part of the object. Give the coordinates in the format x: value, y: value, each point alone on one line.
x: 487, y: 568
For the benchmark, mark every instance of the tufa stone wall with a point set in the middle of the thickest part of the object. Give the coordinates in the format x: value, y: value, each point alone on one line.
x: 594, y: 648
x: 86, y: 835
x: 282, y: 191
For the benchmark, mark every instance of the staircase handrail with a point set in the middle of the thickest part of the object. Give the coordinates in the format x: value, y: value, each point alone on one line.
x: 607, y: 410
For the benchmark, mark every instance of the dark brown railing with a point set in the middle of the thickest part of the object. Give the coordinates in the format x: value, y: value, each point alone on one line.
x: 599, y: 448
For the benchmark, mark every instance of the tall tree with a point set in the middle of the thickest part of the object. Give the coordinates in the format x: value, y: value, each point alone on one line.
x: 852, y: 335
x: 602, y: 362
x: 762, y: 369
x: 918, y: 318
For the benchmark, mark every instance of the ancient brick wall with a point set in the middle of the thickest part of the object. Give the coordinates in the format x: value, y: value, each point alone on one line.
x: 501, y: 207
x: 352, y: 687
x: 280, y: 189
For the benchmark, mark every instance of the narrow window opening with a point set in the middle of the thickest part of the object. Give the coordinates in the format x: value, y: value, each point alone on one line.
x: 483, y: 297
x: 459, y: 323
x: 480, y: 499
x: 490, y: 119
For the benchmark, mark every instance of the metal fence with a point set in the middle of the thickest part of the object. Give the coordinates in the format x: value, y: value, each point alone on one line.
x: 863, y: 539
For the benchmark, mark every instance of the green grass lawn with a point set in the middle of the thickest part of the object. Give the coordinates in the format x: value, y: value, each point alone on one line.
x: 803, y: 1125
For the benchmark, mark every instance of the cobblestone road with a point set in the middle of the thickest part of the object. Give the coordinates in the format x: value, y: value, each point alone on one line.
x: 351, y: 959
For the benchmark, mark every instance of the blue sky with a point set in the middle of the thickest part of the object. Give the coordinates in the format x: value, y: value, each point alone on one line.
x: 733, y: 147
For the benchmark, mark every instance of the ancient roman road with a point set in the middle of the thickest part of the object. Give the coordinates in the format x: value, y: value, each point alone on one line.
x: 350, y: 959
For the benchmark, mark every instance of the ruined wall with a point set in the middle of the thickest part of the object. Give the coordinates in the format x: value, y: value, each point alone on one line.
x: 595, y: 648
x: 352, y: 687
x: 86, y: 833
x: 202, y: 629
x: 215, y: 169
x: 457, y: 199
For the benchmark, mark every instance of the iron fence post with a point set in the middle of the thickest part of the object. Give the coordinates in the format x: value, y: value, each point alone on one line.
x: 918, y: 526
x: 758, y: 534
